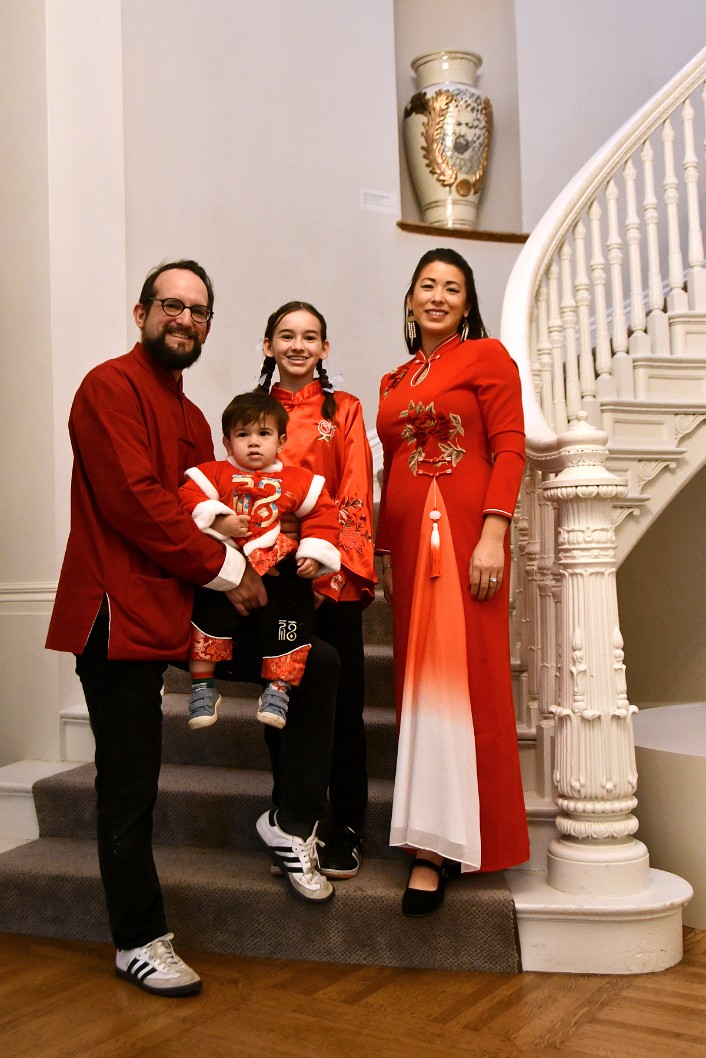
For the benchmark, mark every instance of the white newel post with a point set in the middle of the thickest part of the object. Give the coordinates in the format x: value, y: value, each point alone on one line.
x: 594, y: 764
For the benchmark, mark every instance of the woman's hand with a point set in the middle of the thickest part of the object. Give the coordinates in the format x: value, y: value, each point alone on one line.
x: 387, y: 584
x: 488, y: 559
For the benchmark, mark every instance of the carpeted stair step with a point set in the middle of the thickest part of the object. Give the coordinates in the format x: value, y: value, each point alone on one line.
x: 197, y: 805
x: 237, y: 739
x: 377, y: 621
x: 228, y: 902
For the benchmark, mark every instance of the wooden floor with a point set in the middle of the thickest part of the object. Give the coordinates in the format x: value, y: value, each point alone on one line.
x: 60, y: 998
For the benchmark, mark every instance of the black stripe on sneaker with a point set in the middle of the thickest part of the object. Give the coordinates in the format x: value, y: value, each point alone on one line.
x: 141, y: 970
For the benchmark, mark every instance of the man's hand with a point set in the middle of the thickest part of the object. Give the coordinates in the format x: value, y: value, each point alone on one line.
x: 289, y: 525
x: 250, y: 593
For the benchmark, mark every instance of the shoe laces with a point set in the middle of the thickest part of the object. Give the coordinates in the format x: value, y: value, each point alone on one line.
x: 161, y: 952
x: 307, y: 850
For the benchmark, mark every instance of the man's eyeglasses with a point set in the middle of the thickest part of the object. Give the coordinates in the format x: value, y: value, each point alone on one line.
x: 174, y: 307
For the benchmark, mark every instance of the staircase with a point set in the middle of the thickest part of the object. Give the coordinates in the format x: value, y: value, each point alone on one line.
x: 219, y: 891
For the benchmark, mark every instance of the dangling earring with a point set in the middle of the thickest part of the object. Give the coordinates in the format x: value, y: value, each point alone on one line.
x: 411, y: 327
x: 464, y: 329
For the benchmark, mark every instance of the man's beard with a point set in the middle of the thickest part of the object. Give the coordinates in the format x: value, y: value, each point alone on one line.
x: 171, y: 358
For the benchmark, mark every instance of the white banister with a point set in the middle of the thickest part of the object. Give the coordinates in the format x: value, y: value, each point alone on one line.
x: 577, y: 335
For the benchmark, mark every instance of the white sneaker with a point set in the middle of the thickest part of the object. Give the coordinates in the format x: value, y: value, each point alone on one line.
x: 298, y: 859
x: 156, y: 968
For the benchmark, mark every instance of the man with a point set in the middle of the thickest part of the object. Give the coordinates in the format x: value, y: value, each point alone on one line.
x: 123, y: 607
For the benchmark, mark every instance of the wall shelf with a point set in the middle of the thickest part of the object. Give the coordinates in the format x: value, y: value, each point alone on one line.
x: 464, y: 233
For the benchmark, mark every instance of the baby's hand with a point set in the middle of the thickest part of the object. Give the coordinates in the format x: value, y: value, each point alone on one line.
x: 236, y: 526
x: 308, y: 568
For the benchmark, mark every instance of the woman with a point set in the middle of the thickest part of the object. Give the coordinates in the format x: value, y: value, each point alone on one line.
x: 450, y: 422
x: 326, y: 434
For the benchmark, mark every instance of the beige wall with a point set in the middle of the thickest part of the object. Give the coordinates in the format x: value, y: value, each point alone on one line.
x: 583, y: 68
x: 662, y: 600
x: 283, y: 113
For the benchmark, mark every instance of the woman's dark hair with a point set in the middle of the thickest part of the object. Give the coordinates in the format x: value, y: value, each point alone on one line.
x: 185, y: 266
x: 476, y: 327
x: 252, y: 407
x: 328, y: 408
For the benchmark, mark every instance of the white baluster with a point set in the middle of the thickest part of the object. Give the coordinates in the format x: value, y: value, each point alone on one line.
x: 696, y: 281
x: 544, y: 355
x: 677, y: 300
x: 583, y: 311
x: 548, y: 624
x: 639, y: 343
x: 568, y: 323
x: 657, y: 324
x: 556, y: 335
x: 622, y: 364
x: 605, y: 383
x: 533, y: 355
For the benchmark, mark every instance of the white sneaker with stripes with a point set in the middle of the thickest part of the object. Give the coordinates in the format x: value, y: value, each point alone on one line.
x: 298, y: 859
x: 156, y: 968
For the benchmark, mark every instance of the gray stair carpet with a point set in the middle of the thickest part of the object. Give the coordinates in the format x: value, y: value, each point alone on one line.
x: 219, y: 891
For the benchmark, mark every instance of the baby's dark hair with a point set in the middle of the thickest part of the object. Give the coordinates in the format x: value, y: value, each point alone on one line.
x: 328, y: 408
x: 248, y: 408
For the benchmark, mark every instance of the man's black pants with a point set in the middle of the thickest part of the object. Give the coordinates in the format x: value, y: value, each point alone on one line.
x: 125, y: 706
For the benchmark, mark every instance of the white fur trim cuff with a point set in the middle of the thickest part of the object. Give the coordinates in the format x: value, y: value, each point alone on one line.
x: 231, y: 572
x: 205, y: 512
x: 325, y: 553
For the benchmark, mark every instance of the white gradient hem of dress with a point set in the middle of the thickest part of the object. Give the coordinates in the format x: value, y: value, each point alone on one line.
x: 436, y: 802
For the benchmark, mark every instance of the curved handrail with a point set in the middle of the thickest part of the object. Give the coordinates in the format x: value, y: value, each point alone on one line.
x: 558, y: 220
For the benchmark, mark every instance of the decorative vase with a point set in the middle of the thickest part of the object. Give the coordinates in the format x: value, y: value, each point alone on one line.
x: 448, y: 126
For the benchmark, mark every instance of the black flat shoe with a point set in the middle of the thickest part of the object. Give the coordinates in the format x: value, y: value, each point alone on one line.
x: 419, y: 902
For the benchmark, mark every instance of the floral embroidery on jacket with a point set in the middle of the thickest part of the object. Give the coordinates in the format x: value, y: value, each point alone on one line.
x: 434, y: 435
x: 395, y: 377
x: 326, y: 430
x: 355, y: 532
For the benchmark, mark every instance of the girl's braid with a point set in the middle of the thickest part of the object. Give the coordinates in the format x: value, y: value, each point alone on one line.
x: 329, y: 407
x: 266, y: 372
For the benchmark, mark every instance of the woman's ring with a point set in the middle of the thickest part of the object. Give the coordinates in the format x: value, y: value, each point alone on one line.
x: 492, y: 580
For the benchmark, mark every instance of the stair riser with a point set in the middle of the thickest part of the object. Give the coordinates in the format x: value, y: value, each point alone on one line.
x: 214, y: 814
x: 377, y: 622
x: 237, y: 739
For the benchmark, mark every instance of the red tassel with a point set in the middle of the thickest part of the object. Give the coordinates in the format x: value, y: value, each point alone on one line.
x: 435, y: 545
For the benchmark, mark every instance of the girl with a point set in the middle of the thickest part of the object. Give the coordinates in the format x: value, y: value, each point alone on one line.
x: 326, y: 434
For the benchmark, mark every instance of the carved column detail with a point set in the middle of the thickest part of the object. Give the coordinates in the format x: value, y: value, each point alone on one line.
x: 594, y: 763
